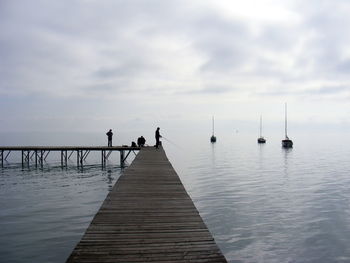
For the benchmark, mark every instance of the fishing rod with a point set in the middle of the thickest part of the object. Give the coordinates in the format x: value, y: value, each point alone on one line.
x: 172, y: 142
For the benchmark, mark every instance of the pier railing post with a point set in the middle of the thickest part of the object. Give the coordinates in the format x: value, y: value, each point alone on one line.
x: 122, y: 158
x: 103, y: 158
x: 41, y: 158
x: 78, y: 158
x: 64, y: 157
x: 81, y: 158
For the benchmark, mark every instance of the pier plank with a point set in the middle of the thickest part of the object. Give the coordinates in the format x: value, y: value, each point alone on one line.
x: 147, y: 217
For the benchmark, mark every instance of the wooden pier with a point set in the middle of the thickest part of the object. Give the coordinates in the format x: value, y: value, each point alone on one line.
x: 147, y: 217
x: 36, y: 155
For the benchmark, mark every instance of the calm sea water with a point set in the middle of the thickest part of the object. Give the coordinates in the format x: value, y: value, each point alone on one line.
x: 262, y: 203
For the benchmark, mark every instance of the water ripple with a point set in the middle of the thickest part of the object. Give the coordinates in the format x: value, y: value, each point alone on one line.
x: 45, y: 212
x: 266, y: 204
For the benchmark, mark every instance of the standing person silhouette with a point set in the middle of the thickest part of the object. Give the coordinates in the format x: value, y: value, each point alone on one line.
x: 109, y: 136
x: 158, y: 136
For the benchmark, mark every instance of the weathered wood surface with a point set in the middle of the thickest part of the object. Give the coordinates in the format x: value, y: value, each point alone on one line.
x: 147, y: 217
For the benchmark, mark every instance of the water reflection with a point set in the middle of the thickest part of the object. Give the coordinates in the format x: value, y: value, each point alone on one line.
x: 265, y: 204
x: 213, y: 154
x: 287, y: 154
x: 261, y: 147
x: 44, y: 212
x: 110, y: 180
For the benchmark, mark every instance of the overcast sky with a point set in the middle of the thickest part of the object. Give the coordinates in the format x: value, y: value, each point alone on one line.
x: 96, y: 64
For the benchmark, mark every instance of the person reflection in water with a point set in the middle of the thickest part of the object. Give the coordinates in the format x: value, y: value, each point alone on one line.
x: 158, y: 136
x: 109, y: 136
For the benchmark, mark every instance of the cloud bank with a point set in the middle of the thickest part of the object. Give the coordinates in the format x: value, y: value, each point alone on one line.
x: 166, y: 52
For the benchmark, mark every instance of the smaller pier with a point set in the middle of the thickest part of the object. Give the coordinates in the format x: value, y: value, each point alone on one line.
x: 36, y: 155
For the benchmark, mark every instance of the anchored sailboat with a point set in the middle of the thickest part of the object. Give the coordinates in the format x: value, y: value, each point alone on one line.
x: 261, y: 139
x: 286, y: 143
x: 213, y: 138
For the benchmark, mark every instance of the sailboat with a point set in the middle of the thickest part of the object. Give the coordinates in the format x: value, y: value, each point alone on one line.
x: 261, y: 139
x: 286, y: 143
x: 213, y: 138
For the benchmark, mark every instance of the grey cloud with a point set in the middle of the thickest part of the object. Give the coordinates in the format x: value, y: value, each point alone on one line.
x: 126, y: 65
x: 344, y: 66
x: 102, y: 87
x: 272, y: 93
x: 209, y: 90
x: 222, y: 59
x: 279, y: 38
x: 116, y: 34
x: 115, y: 72
x: 116, y: 37
x: 339, y: 90
x: 216, y: 90
x: 222, y: 42
x: 332, y: 90
x: 108, y: 72
x: 329, y: 38
x: 49, y: 45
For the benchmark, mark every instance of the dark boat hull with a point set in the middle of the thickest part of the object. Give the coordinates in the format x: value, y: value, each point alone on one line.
x: 287, y: 143
x: 213, y: 138
x: 261, y: 140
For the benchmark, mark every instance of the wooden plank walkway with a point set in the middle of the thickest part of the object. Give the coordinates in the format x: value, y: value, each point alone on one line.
x: 147, y: 217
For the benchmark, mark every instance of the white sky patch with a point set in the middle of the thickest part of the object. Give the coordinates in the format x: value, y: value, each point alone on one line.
x: 264, y: 11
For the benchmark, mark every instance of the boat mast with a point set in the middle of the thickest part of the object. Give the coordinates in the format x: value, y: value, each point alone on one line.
x: 213, y: 125
x: 260, y: 125
x: 285, y: 120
